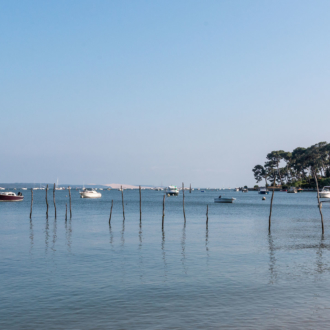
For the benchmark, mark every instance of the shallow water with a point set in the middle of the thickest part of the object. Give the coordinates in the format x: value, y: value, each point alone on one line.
x: 83, y: 274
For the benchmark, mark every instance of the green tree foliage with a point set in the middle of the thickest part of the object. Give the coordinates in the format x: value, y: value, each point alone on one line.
x: 299, y: 167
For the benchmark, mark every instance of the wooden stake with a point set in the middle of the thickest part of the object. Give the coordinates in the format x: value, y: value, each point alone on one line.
x: 207, y: 214
x: 70, y: 202
x: 122, y: 199
x: 270, y: 211
x: 111, y: 211
x: 66, y: 211
x: 140, y: 203
x: 47, y: 202
x: 54, y: 199
x: 190, y: 189
x: 31, y: 203
x: 184, y: 213
x: 319, y: 203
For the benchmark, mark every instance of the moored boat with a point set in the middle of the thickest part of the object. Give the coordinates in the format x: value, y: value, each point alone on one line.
x: 11, y: 197
x: 224, y: 199
x: 172, y: 191
x: 292, y: 190
x: 263, y: 191
x: 89, y: 193
x: 325, y: 192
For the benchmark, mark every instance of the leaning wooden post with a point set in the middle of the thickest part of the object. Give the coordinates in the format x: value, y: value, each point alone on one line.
x: 54, y: 199
x: 31, y: 203
x: 66, y: 211
x: 70, y: 202
x: 207, y: 214
x: 122, y: 200
x: 184, y: 213
x: 163, y: 212
x: 111, y: 211
x: 319, y: 203
x: 47, y: 202
x: 140, y: 203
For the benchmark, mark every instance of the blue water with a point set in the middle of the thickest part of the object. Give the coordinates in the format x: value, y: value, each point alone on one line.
x: 83, y: 274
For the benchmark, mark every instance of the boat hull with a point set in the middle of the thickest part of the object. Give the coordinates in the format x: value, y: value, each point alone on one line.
x: 84, y: 195
x: 324, y: 194
x: 224, y: 200
x: 4, y: 198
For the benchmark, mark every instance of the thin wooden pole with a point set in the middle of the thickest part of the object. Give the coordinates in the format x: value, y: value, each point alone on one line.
x: 31, y: 203
x: 140, y: 203
x: 184, y: 213
x: 54, y: 200
x: 319, y: 203
x: 190, y: 189
x: 111, y: 211
x: 47, y: 202
x: 207, y: 214
x: 122, y: 200
x: 70, y: 202
x: 163, y: 212
x: 66, y: 211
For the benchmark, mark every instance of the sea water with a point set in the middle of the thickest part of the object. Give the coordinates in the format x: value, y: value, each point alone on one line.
x: 232, y: 274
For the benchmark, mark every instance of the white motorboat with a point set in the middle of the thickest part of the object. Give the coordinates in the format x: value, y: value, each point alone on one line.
x: 292, y: 190
x: 325, y: 192
x: 89, y: 193
x: 224, y: 199
x: 24, y: 188
x: 236, y: 189
x: 1, y: 188
x: 263, y: 191
x: 172, y: 191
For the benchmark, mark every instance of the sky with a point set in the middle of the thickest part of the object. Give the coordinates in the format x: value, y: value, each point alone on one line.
x: 159, y: 92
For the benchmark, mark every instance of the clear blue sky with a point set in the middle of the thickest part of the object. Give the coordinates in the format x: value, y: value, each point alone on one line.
x: 151, y: 92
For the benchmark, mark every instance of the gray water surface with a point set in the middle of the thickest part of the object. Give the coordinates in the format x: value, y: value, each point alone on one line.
x: 83, y: 274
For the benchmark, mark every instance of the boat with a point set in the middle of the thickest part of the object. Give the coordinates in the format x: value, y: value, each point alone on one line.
x: 244, y: 190
x: 11, y: 197
x: 300, y: 190
x: 24, y: 188
x: 89, y: 193
x: 292, y: 190
x: 263, y: 191
x: 325, y: 192
x: 172, y: 191
x: 236, y: 189
x: 224, y: 200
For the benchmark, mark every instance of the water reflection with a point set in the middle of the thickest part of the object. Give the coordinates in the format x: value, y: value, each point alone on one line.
x: 272, y: 260
x: 164, y: 254
x: 68, y: 234
x: 31, y: 236
x: 207, y: 241
x: 320, y: 265
x: 183, y: 248
x: 46, y: 235
x: 111, y: 235
x: 141, y: 265
x: 54, y: 234
x: 122, y: 234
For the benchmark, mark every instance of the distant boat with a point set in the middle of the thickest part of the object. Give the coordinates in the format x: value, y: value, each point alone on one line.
x: 89, y: 193
x: 325, y: 192
x: 292, y: 190
x: 224, y: 200
x: 11, y: 197
x: 263, y: 191
x: 172, y: 191
x: 244, y: 190
x: 24, y: 188
x: 236, y: 189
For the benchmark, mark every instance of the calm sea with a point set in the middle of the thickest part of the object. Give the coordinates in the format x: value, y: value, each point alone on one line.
x: 83, y: 274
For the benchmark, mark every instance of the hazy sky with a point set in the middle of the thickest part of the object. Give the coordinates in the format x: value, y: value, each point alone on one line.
x: 151, y: 92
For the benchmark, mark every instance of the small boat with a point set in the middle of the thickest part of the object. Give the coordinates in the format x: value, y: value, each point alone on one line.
x: 292, y: 190
x: 244, y: 190
x: 172, y: 191
x: 263, y: 191
x: 236, y: 189
x: 89, y: 193
x: 224, y: 200
x: 300, y: 190
x: 24, y: 188
x: 11, y: 197
x: 325, y: 192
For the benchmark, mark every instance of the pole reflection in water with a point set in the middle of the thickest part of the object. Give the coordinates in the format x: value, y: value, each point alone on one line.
x: 272, y: 260
x: 320, y: 267
x: 54, y: 234
x: 164, y: 254
x: 207, y: 242
x: 68, y: 234
x: 140, y: 253
x: 46, y: 235
x: 183, y: 248
x: 122, y: 234
x: 31, y: 236
x: 111, y: 235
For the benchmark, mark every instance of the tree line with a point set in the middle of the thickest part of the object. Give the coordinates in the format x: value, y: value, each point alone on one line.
x: 303, y: 167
